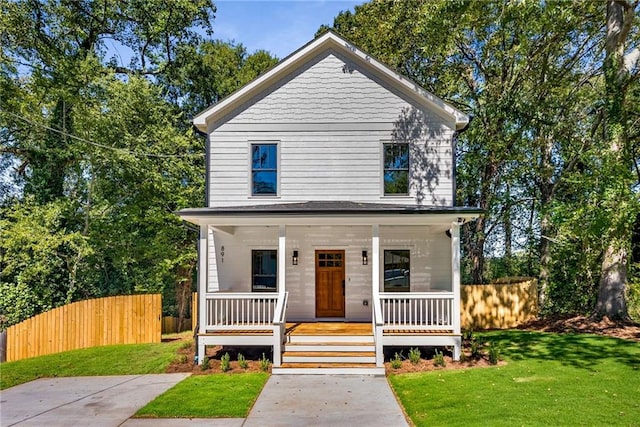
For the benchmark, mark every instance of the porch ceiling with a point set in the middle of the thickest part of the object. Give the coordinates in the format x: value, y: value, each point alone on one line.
x: 328, y: 213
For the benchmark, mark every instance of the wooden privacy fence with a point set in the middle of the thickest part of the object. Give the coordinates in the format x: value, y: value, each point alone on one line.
x: 170, y: 325
x: 501, y: 305
x: 126, y: 319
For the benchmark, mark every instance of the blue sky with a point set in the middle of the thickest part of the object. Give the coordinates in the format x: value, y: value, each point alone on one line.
x: 279, y: 27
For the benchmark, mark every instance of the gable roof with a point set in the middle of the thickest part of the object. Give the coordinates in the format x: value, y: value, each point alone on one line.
x: 329, y: 40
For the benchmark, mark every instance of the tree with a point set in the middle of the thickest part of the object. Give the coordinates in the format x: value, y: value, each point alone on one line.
x: 619, y: 203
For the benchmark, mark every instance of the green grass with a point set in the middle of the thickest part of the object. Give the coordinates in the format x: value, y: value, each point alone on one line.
x: 550, y: 379
x: 127, y: 359
x: 208, y: 396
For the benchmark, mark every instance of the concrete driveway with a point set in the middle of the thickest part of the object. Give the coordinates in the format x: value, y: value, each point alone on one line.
x: 81, y: 401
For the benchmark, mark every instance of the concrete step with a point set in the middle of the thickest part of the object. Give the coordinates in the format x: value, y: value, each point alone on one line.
x: 328, y: 369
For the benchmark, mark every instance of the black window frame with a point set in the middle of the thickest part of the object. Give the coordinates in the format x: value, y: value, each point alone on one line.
x: 396, y: 169
x: 258, y: 169
x: 255, y: 274
x: 397, y: 272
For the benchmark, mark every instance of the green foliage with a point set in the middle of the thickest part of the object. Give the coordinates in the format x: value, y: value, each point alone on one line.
x: 242, y: 362
x: 475, y: 349
x: 396, y: 362
x: 205, y: 364
x: 105, y: 153
x: 414, y: 355
x: 494, y: 353
x: 438, y: 359
x: 264, y: 363
x: 191, y: 398
x: 225, y: 362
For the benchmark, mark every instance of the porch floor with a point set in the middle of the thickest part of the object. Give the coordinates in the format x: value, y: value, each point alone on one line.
x: 329, y: 328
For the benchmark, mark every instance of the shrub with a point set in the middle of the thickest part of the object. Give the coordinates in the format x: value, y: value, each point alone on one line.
x: 494, y: 353
x: 467, y: 335
x: 475, y: 349
x: 414, y: 355
x: 224, y: 362
x: 242, y: 362
x: 205, y: 364
x: 396, y: 362
x: 264, y: 363
x: 438, y: 359
x: 182, y: 359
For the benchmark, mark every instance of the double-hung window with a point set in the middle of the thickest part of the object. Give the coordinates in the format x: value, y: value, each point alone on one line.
x: 264, y: 169
x: 396, y: 168
x: 397, y: 265
x: 264, y: 270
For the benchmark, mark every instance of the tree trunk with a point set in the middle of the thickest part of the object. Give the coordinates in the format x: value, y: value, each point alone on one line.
x: 545, y: 261
x: 476, y: 252
x: 613, y: 280
x: 613, y: 274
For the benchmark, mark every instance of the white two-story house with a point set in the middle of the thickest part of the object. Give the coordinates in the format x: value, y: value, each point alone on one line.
x: 330, y: 229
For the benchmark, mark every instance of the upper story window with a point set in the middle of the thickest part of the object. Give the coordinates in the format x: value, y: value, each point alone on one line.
x: 264, y: 270
x: 264, y: 169
x: 396, y: 270
x: 396, y: 168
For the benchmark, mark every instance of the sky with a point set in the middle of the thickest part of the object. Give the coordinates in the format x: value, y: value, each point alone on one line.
x: 279, y: 27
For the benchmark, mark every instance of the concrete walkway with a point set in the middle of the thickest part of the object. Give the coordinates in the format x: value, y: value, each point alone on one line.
x: 81, y: 401
x: 286, y: 400
x: 326, y: 400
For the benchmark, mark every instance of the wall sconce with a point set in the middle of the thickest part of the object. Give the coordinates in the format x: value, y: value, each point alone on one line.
x: 294, y: 259
x: 365, y: 258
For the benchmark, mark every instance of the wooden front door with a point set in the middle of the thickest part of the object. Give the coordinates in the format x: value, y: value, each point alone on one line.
x: 330, y: 283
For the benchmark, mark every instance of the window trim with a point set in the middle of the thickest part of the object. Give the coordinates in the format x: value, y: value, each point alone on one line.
x: 252, y: 275
x: 383, y: 169
x: 251, y: 143
x: 384, y: 250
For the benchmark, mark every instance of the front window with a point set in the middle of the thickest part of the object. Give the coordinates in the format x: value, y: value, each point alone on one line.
x: 264, y: 270
x: 396, y: 270
x: 264, y: 169
x: 396, y: 168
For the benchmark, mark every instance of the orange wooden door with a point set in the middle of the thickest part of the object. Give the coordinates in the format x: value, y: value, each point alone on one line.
x: 330, y: 283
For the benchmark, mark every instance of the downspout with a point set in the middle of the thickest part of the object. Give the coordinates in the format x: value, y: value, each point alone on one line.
x: 455, y: 143
x: 200, y: 357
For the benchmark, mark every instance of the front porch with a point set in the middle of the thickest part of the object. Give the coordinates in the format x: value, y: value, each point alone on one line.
x: 398, y: 319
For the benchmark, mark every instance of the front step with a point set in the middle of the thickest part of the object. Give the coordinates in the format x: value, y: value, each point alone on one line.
x: 329, y: 354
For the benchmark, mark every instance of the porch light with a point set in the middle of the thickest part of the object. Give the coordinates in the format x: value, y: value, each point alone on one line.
x: 294, y: 259
x: 365, y: 258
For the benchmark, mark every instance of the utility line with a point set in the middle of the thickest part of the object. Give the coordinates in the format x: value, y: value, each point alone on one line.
x: 107, y: 147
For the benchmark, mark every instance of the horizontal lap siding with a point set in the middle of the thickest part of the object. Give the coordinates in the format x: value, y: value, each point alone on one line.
x: 330, y: 125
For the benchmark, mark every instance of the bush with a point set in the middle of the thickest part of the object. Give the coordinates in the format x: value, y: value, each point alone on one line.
x: 264, y: 363
x: 205, y: 364
x: 494, y: 353
x: 242, y: 362
x: 475, y: 349
x: 438, y: 359
x: 396, y: 362
x: 224, y: 362
x: 414, y: 355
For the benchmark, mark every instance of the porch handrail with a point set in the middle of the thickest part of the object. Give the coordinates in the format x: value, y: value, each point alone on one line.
x: 377, y: 311
x: 418, y: 310
x: 243, y: 310
x: 281, y: 309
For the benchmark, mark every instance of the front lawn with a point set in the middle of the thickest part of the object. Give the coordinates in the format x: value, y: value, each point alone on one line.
x: 549, y: 379
x: 208, y: 396
x: 128, y: 359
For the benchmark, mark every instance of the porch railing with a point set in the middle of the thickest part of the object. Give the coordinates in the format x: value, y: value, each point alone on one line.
x: 242, y: 310
x: 432, y: 311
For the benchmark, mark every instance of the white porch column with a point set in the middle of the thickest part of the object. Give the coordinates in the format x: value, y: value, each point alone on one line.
x: 455, y: 284
x: 375, y: 259
x: 213, y: 282
x: 202, y: 288
x: 282, y: 258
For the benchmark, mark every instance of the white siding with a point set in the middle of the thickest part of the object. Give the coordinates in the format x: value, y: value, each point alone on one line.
x: 430, y: 262
x: 330, y: 126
